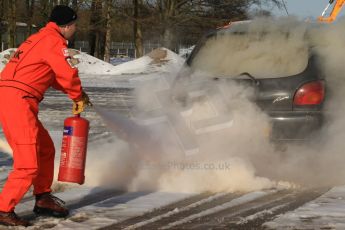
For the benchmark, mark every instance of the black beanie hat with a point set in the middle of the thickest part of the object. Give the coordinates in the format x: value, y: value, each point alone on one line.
x: 62, y: 15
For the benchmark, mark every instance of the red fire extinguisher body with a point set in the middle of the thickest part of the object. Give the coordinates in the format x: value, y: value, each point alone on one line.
x: 73, y: 150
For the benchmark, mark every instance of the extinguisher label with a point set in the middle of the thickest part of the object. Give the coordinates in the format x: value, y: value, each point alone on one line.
x: 68, y: 131
x: 77, y: 152
x: 73, y: 152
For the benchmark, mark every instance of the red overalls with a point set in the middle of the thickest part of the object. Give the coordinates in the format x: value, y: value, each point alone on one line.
x: 40, y: 62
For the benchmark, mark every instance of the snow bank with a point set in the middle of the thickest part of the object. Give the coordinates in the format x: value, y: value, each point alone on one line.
x: 91, y: 65
x: 4, y: 56
x: 159, y: 60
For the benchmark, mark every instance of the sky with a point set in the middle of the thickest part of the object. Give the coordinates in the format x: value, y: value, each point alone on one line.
x: 306, y: 8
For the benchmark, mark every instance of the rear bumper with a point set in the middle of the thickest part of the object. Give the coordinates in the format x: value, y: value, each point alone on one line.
x: 294, y: 126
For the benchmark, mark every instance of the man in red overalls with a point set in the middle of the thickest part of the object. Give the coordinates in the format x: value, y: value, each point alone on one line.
x: 40, y: 62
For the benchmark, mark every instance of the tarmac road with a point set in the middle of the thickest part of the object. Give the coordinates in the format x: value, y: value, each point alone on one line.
x: 56, y: 106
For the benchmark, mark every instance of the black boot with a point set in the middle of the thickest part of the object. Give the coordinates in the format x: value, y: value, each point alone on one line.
x: 11, y: 219
x: 49, y: 205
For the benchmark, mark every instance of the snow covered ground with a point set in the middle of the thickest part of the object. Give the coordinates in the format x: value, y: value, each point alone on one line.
x: 159, y: 69
x: 325, y: 212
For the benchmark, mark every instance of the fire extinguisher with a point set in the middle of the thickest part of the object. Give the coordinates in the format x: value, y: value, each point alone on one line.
x: 73, y: 150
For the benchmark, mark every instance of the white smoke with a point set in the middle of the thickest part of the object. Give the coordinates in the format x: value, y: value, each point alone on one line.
x: 262, y: 48
x: 216, y: 124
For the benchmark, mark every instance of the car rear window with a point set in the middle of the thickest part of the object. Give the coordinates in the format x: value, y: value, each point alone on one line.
x: 261, y: 53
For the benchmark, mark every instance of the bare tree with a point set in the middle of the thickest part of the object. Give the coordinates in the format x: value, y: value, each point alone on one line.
x: 11, y: 18
x: 176, y: 14
x: 64, y: 2
x: 30, y: 6
x: 168, y: 22
x: 2, y: 19
x: 109, y: 9
x: 95, y: 28
x: 44, y: 8
x: 75, y: 5
x: 167, y: 12
x: 138, y: 36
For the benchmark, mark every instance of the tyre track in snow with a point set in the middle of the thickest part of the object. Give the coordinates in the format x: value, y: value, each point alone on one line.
x: 223, y: 211
x: 201, y: 201
x: 253, y: 214
x: 254, y: 219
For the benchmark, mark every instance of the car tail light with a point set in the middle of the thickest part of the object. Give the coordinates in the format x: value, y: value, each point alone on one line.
x: 311, y: 93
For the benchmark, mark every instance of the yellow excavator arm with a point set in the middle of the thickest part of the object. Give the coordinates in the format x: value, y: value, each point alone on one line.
x: 336, y: 10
